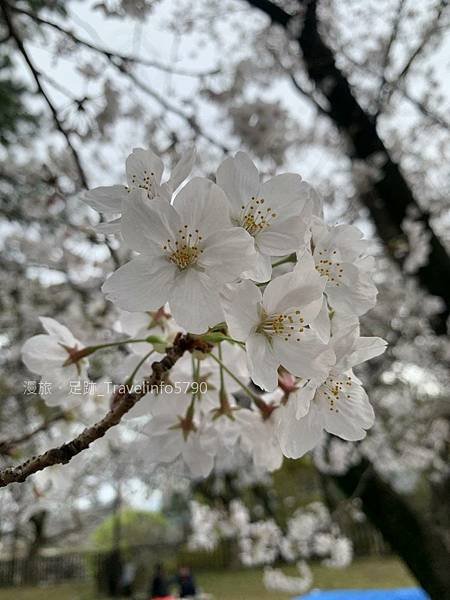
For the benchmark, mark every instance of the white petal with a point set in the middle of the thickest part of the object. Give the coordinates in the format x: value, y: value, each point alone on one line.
x: 361, y: 349
x: 239, y: 178
x: 180, y: 171
x: 170, y: 404
x: 270, y: 456
x: 43, y: 352
x: 350, y: 415
x: 302, y: 398
x: 283, y: 237
x: 302, y: 289
x: 141, y: 284
x: 109, y: 227
x: 344, y: 323
x: 164, y: 445
x: 261, y: 271
x: 298, y: 436
x: 199, y: 462
x: 283, y: 194
x: 321, y: 324
x: 355, y: 293
x: 195, y: 302
x: 203, y: 205
x: 242, y: 309
x: 107, y: 199
x: 313, y: 204
x: 227, y: 253
x: 141, y: 165
x: 58, y: 331
x: 60, y: 393
x: 310, y: 358
x: 262, y: 364
x: 147, y: 226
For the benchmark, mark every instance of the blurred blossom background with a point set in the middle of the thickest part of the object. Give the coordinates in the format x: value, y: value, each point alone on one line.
x: 353, y: 95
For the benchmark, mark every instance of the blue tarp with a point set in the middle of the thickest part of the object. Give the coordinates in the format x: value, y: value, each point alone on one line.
x: 397, y: 594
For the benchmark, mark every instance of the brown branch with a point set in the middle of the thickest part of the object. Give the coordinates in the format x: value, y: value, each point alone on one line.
x: 120, y: 406
x: 389, y: 87
x: 309, y: 94
x: 37, y: 78
x: 8, y: 446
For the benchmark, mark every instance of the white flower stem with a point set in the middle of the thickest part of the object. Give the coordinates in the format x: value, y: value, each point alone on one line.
x: 129, y: 381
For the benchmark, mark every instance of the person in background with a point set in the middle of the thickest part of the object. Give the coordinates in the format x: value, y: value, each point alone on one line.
x: 186, y: 583
x: 127, y: 580
x: 159, y: 588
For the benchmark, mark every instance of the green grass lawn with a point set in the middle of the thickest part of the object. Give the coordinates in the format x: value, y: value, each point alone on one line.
x: 247, y: 585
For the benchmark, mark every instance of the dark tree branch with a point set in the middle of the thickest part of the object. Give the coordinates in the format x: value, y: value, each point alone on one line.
x: 388, y: 50
x: 426, y: 37
x: 37, y: 78
x: 390, y: 197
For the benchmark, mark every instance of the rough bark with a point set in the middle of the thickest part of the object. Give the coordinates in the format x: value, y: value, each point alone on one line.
x: 409, y: 534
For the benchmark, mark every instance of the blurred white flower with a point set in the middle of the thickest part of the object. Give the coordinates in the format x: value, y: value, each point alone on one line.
x: 58, y: 358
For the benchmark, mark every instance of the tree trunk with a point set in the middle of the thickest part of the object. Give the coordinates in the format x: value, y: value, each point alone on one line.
x: 412, y: 536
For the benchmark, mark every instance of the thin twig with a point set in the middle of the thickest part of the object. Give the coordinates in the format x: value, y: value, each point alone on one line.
x: 120, y: 62
x: 427, y: 36
x: 6, y: 446
x: 37, y: 78
x: 112, y: 53
x: 388, y: 51
x: 190, y: 119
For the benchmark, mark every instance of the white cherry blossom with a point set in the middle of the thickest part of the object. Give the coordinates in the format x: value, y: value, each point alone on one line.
x: 55, y: 356
x: 340, y: 256
x: 171, y: 434
x: 258, y: 438
x: 274, y: 212
x: 274, y: 325
x: 338, y: 405
x: 188, y: 251
x: 144, y: 171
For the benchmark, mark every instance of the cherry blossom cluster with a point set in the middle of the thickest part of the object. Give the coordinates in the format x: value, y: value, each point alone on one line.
x: 250, y: 267
x: 310, y: 533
